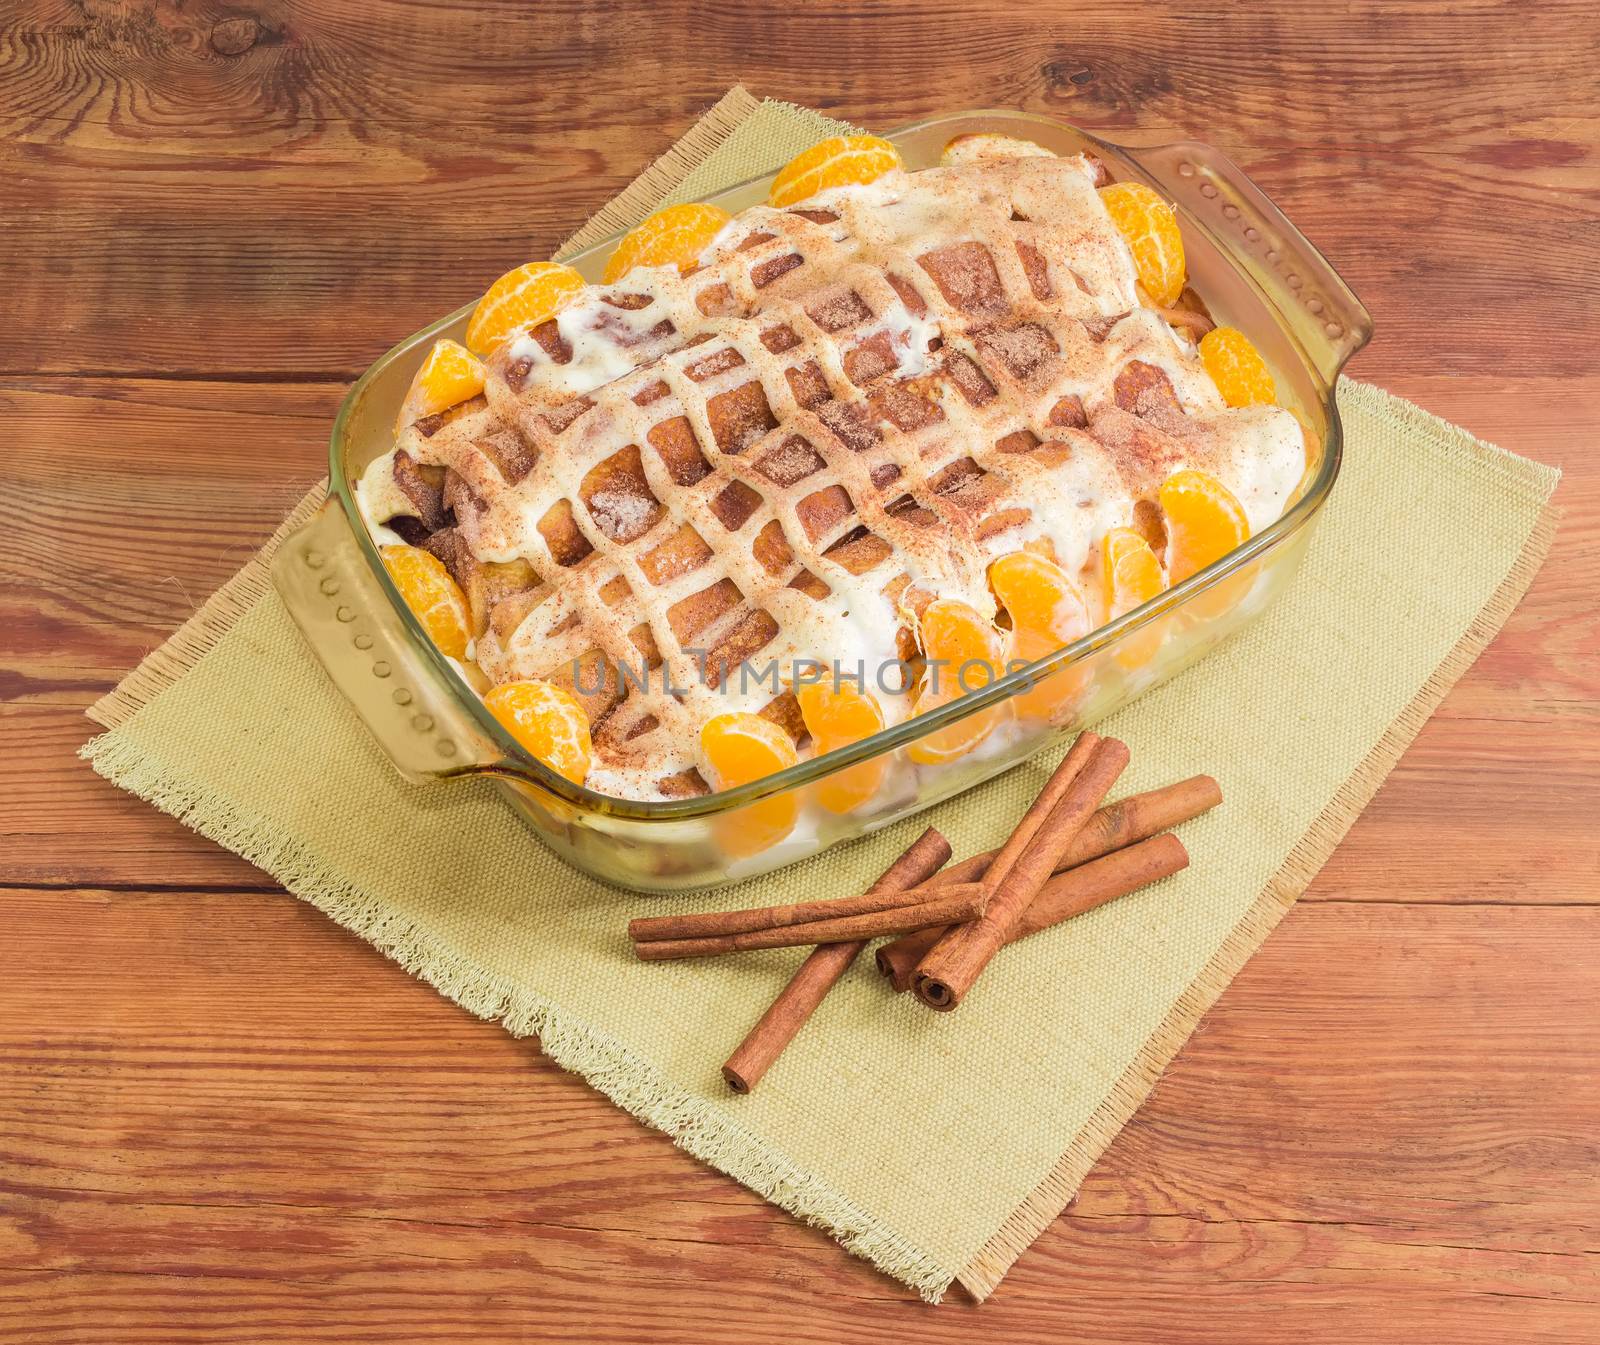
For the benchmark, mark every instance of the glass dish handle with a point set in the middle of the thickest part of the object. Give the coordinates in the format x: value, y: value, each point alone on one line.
x: 345, y: 616
x: 1324, y: 316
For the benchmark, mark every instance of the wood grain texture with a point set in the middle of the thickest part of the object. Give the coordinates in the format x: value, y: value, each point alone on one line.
x: 335, y: 1147
x: 221, y: 1118
x: 340, y: 182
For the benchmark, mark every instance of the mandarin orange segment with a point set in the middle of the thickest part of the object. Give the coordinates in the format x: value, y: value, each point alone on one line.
x: 844, y: 160
x: 837, y: 714
x: 946, y: 744
x: 1047, y: 612
x: 1204, y: 522
x: 1131, y: 576
x: 740, y: 748
x: 736, y: 749
x: 449, y: 376
x: 533, y: 293
x: 1039, y: 595
x: 1050, y: 699
x: 1150, y: 226
x: 676, y: 236
x: 1131, y: 573
x: 1236, y: 367
x: 549, y: 724
x: 965, y: 653
x: 432, y: 595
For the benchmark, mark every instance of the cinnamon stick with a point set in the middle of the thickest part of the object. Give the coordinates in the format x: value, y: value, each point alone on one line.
x: 1101, y: 880
x: 1117, y: 825
x: 1070, y: 893
x: 821, y: 971
x: 1055, y: 789
x: 948, y: 906
x: 1140, y: 816
x: 950, y: 967
x: 716, y: 924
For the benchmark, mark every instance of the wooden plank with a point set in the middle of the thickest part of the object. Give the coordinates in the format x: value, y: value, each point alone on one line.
x: 62, y: 821
x: 125, y: 503
x: 1447, y: 84
x: 157, y: 1175
x: 295, y: 208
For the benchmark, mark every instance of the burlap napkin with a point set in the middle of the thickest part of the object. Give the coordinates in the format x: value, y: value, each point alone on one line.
x: 937, y: 1146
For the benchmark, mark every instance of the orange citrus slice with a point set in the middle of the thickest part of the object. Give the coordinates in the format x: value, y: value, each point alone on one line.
x: 548, y: 723
x: 837, y: 714
x: 1204, y: 522
x: 676, y: 235
x: 449, y: 376
x: 739, y: 748
x: 533, y: 293
x: 1047, y: 612
x: 432, y: 595
x: 1236, y: 367
x: 1039, y: 595
x: 843, y: 161
x: 1131, y: 576
x: 1050, y: 700
x: 1150, y: 226
x: 965, y: 653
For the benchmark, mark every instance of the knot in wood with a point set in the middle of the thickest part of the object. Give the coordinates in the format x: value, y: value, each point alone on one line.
x: 235, y: 36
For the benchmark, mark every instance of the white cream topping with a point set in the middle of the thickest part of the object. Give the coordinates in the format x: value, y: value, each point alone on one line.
x: 378, y: 494
x: 1265, y: 460
x: 984, y: 147
x: 910, y: 336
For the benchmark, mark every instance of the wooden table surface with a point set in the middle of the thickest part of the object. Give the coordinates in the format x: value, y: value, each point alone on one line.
x: 222, y: 1118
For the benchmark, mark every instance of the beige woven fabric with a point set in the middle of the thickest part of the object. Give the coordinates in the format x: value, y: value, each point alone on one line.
x: 936, y: 1145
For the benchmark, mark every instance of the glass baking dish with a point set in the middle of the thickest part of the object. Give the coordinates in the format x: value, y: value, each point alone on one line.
x: 1253, y: 269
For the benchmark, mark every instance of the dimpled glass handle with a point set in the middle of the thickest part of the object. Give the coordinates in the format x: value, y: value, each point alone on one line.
x: 345, y: 616
x: 1323, y: 315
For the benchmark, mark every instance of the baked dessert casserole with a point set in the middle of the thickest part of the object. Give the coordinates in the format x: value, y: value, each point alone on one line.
x: 791, y: 476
